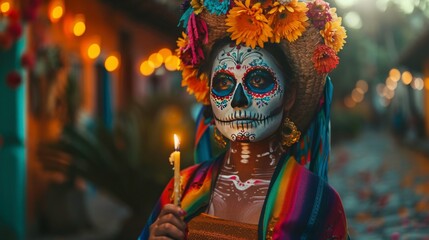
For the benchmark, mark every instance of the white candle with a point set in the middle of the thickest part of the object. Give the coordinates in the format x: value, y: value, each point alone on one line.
x: 175, y: 161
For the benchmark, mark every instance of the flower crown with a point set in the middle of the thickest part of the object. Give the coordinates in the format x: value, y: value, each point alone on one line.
x: 253, y: 23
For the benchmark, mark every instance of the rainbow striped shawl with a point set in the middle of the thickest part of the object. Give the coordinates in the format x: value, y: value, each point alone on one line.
x: 299, y: 204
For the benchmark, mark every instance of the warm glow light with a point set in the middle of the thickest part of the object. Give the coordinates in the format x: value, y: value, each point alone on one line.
x: 79, y: 26
x: 4, y: 6
x: 427, y: 83
x: 176, y: 143
x: 111, y: 63
x: 395, y: 74
x: 418, y: 84
x: 389, y: 94
x: 357, y: 96
x: 56, y: 10
x: 407, y: 77
x: 381, y: 5
x: 156, y: 59
x: 348, y: 101
x: 94, y: 51
x: 172, y: 63
x: 345, y: 3
x: 380, y: 89
x: 146, y: 68
x: 353, y: 20
x: 165, y: 53
x: 362, y: 84
x: 391, y: 84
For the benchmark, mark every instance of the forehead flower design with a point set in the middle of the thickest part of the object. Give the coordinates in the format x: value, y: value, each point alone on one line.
x: 254, y: 23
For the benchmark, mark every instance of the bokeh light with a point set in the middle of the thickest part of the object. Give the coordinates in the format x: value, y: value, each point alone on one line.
x: 381, y: 5
x: 111, y: 63
x: 395, y: 74
x: 172, y: 63
x: 363, y: 85
x: 94, y: 51
x: 5, y: 6
x: 406, y: 6
x: 353, y: 20
x: 391, y: 84
x: 79, y: 26
x: 388, y: 93
x: 407, y: 77
x: 165, y: 53
x: 345, y: 3
x: 56, y: 10
x: 426, y: 82
x: 156, y: 59
x: 146, y: 68
x: 357, y: 95
x: 348, y: 102
x: 418, y: 84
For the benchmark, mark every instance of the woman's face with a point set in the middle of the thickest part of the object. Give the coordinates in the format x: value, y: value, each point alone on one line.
x: 246, y: 93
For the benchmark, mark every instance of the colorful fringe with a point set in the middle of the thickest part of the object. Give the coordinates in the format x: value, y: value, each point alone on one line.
x: 315, y: 145
x: 298, y: 204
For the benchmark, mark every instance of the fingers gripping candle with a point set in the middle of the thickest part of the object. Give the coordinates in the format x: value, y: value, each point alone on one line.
x: 175, y: 161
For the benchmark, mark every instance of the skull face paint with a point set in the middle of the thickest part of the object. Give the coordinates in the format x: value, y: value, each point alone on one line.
x: 246, y: 93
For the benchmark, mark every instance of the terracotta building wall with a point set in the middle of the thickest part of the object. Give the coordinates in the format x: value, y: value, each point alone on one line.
x: 105, y: 25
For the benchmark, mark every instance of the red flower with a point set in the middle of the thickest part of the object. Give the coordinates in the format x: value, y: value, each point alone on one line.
x: 318, y: 13
x: 13, y: 79
x: 324, y: 59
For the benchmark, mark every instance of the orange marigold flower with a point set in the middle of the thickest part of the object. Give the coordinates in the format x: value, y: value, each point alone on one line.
x: 264, y: 3
x: 196, y: 84
x: 248, y: 24
x: 197, y: 5
x: 288, y: 20
x: 182, y: 44
x: 334, y: 34
x: 324, y: 59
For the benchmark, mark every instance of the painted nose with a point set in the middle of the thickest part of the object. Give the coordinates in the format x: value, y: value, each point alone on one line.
x: 239, y: 99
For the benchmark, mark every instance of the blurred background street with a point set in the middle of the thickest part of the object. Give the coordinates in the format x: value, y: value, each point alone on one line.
x: 90, y: 96
x: 384, y: 186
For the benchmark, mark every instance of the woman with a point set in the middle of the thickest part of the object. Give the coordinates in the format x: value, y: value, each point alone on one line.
x: 261, y: 68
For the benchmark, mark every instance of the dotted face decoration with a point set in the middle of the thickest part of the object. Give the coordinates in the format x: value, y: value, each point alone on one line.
x: 252, y: 76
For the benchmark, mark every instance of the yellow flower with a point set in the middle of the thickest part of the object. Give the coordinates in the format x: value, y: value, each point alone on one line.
x: 197, y: 85
x: 288, y: 20
x: 182, y: 42
x: 248, y: 24
x: 334, y: 34
x: 198, y: 6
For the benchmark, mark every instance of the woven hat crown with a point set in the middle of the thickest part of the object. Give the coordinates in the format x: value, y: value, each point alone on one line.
x: 310, y: 34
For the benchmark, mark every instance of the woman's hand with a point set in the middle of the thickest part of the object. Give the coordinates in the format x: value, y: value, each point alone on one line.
x: 169, y: 225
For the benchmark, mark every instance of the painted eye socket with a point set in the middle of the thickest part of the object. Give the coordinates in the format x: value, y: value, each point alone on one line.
x: 259, y: 81
x: 223, y: 84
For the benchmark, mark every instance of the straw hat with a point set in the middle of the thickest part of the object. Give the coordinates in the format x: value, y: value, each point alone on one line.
x: 310, y: 39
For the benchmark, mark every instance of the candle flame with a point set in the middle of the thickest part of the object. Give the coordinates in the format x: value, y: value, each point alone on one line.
x: 176, y: 143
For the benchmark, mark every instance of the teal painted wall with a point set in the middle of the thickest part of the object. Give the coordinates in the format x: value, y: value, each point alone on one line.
x: 12, y: 148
